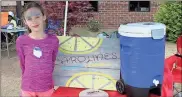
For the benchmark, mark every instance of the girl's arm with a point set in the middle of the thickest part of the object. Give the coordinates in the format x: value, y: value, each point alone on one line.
x: 20, y: 54
x: 55, y: 51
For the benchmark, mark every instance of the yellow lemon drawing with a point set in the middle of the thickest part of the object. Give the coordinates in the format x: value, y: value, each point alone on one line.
x: 79, y: 45
x: 93, y: 80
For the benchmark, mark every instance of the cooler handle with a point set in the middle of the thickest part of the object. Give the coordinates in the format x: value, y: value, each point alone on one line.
x: 158, y: 33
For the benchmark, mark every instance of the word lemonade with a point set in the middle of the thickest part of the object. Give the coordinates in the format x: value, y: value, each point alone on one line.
x: 87, y: 58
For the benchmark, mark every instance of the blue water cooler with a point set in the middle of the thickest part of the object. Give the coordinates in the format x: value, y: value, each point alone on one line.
x: 142, y: 57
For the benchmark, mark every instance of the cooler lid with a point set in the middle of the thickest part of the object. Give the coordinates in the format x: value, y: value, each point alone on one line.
x: 143, y: 29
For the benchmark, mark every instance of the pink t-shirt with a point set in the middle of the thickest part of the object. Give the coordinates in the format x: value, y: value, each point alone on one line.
x: 37, y: 59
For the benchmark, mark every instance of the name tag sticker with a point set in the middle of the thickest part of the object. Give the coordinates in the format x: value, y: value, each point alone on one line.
x: 37, y: 52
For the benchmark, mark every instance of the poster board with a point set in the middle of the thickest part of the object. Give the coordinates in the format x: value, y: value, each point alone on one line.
x: 87, y: 62
x: 4, y: 18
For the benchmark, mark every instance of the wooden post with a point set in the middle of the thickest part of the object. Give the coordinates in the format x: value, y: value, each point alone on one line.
x: 18, y: 9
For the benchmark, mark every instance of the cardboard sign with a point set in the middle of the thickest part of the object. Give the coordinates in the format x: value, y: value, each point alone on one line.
x: 4, y: 18
x: 87, y: 62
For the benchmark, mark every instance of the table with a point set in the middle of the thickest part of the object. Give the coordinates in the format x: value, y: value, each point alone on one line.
x: 6, y: 31
x: 74, y: 92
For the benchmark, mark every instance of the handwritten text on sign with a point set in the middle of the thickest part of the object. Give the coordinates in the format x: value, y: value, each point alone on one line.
x: 87, y: 58
x: 86, y: 62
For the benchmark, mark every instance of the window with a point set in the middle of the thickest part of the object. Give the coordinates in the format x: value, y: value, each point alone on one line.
x: 94, y: 5
x: 139, y: 6
x: 27, y: 2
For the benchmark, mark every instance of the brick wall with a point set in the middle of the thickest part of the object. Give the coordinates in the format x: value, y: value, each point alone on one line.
x: 113, y: 13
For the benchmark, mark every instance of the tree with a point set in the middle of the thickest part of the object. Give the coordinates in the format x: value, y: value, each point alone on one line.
x: 170, y: 14
x: 78, y: 12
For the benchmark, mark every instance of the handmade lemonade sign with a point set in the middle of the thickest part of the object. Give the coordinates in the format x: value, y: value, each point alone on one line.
x: 87, y: 62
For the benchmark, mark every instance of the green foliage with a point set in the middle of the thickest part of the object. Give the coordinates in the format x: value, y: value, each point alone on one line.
x: 170, y: 14
x: 93, y: 25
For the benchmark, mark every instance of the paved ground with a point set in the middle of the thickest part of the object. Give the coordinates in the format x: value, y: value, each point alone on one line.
x: 10, y: 77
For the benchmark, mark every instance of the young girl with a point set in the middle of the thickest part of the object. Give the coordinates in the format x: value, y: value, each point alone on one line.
x: 37, y: 53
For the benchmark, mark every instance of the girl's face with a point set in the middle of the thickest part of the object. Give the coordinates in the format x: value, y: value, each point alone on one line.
x: 34, y: 19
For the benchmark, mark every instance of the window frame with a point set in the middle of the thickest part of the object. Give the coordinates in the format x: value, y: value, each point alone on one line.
x: 97, y: 10
x: 139, y: 6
